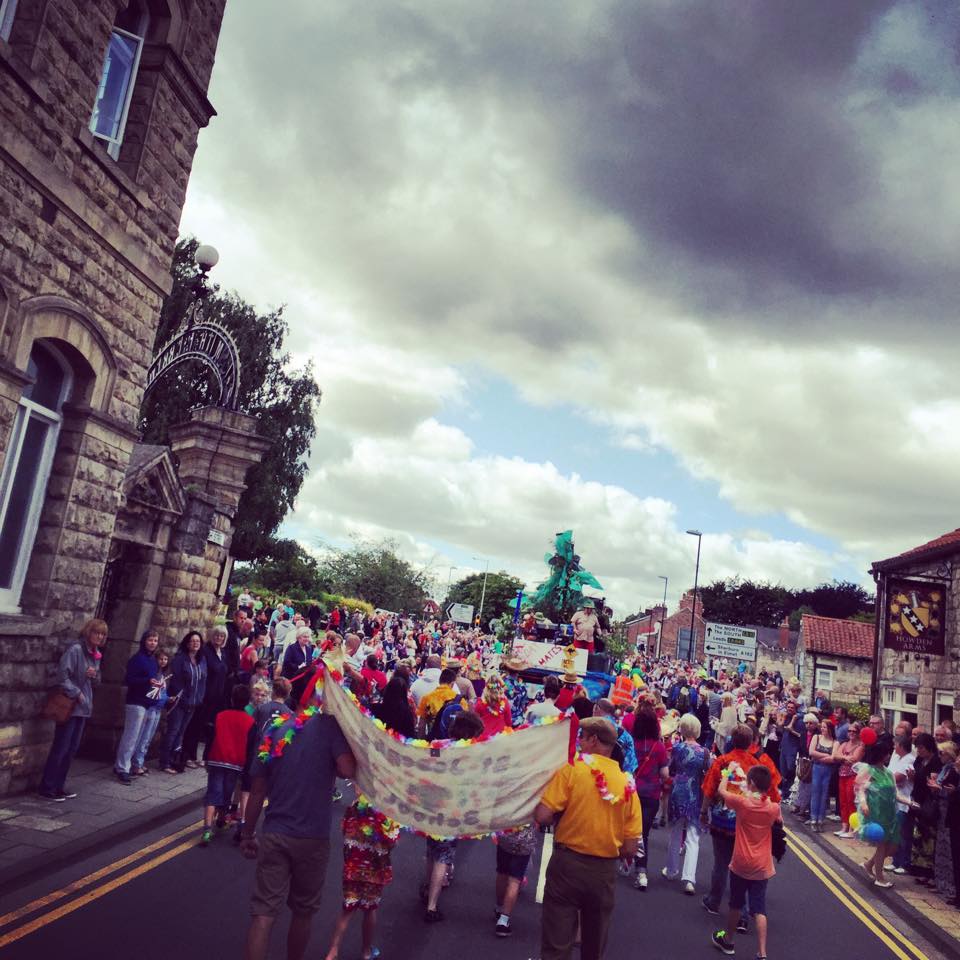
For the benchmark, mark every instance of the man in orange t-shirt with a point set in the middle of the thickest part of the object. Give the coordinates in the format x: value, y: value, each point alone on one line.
x: 752, y: 863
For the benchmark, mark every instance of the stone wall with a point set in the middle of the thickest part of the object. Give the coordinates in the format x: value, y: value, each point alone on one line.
x: 85, y: 248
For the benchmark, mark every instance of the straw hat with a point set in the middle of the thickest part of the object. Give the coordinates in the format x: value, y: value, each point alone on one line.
x: 514, y: 664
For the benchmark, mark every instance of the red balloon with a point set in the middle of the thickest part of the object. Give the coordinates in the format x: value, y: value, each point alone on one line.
x: 868, y: 736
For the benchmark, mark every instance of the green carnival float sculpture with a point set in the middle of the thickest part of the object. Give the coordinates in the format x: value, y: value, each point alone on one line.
x: 561, y: 594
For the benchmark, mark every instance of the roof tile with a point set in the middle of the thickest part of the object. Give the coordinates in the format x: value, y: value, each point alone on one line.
x: 945, y: 542
x: 842, y: 638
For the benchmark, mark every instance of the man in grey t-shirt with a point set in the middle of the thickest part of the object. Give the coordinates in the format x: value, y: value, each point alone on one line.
x: 294, y: 845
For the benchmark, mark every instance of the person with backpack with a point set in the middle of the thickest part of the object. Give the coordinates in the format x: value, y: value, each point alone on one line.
x: 751, y: 865
x: 433, y: 703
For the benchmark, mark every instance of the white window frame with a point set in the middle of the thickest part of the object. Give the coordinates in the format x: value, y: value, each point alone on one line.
x: 27, y: 410
x: 114, y: 143
x: 824, y: 679
x: 943, y: 698
x: 893, y: 703
x: 8, y: 10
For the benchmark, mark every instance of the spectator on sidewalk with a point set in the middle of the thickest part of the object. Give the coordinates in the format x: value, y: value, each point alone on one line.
x: 188, y: 684
x: 142, y: 677
x: 77, y: 672
x: 901, y: 763
x: 215, y: 696
x: 158, y: 697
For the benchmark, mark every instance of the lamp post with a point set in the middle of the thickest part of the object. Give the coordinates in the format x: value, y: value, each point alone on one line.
x: 483, y: 592
x: 449, y: 578
x: 693, y: 609
x: 663, y: 612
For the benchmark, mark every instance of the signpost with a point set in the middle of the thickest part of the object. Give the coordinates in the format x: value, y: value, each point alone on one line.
x: 460, y: 612
x: 730, y: 641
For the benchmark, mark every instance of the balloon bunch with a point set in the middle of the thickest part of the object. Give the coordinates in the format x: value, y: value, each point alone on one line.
x: 870, y: 832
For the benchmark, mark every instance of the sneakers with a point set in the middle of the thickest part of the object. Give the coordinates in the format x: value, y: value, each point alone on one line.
x: 641, y: 881
x: 67, y: 794
x: 124, y: 778
x: 667, y: 875
x: 625, y: 869
x: 720, y: 941
x: 899, y: 871
x: 835, y: 817
x: 843, y: 834
x: 688, y: 888
x: 337, y: 795
x: 712, y: 910
x: 54, y: 797
x: 743, y: 925
x: 206, y: 837
x: 503, y: 928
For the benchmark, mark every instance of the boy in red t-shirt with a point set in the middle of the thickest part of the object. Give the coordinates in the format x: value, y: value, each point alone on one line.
x: 752, y: 863
x: 228, y: 756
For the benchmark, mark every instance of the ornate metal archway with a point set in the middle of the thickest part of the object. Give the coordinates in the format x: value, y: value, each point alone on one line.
x: 212, y: 345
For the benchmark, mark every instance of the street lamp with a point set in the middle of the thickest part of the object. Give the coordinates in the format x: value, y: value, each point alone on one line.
x: 449, y: 578
x: 663, y: 611
x: 693, y: 609
x: 483, y: 592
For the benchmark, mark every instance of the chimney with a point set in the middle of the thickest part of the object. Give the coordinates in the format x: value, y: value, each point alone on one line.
x: 785, y: 634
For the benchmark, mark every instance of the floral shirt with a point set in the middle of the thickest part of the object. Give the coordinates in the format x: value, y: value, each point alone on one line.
x: 688, y: 764
x: 516, y: 693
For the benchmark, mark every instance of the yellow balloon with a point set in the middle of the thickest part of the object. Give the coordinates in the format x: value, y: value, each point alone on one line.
x: 854, y: 821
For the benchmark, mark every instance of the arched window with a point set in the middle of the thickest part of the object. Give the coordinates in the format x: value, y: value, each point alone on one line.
x: 119, y: 75
x: 8, y: 10
x: 26, y: 469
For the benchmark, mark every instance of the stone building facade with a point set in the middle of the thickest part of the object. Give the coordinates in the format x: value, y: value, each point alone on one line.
x: 836, y: 656
x: 101, y: 102
x: 916, y: 675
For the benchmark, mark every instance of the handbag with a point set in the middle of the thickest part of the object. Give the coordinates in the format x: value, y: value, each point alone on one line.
x: 58, y: 706
x: 804, y: 769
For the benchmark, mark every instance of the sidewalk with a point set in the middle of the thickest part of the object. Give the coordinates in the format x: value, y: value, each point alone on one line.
x: 923, y: 900
x: 37, y: 834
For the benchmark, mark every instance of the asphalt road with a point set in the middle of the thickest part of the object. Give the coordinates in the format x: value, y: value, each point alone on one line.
x: 193, y: 905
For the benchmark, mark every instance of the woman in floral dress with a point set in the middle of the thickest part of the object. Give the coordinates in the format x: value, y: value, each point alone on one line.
x: 689, y: 762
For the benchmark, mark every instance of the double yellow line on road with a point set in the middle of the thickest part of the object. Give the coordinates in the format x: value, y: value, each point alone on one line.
x: 864, y: 911
x: 79, y: 886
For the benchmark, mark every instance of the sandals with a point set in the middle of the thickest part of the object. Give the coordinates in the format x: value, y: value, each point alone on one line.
x: 883, y: 884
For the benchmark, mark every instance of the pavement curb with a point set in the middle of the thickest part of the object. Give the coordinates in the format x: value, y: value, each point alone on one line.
x: 889, y: 898
x: 76, y: 850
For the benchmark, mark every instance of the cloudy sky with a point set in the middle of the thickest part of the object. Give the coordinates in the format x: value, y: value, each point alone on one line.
x: 622, y: 268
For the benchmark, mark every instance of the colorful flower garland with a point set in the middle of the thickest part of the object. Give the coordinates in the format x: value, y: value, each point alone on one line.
x: 603, y: 788
x: 273, y: 745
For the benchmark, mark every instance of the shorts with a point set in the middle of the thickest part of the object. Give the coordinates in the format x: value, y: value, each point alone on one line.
x: 220, y: 786
x: 441, y: 851
x: 290, y: 869
x: 754, y: 891
x: 512, y: 864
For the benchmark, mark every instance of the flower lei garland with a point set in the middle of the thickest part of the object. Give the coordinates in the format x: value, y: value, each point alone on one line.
x: 272, y: 745
x: 378, y: 825
x: 603, y: 788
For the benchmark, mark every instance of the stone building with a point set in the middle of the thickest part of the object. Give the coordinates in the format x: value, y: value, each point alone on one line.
x: 835, y: 656
x: 917, y: 671
x: 674, y: 636
x: 101, y: 102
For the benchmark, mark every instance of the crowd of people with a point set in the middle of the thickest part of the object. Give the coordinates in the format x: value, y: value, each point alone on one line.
x: 720, y: 754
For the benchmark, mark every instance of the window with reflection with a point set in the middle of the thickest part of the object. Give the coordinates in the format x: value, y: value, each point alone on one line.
x: 26, y: 468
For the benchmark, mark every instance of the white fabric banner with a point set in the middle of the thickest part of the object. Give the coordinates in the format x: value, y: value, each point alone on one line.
x: 458, y: 790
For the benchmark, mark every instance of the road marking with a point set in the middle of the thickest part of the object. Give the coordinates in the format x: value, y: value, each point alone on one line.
x: 843, y: 894
x: 546, y: 853
x: 76, y: 885
x: 864, y: 904
x: 87, y: 898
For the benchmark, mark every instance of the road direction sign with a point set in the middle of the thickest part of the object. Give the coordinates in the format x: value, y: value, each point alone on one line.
x: 460, y: 612
x: 729, y: 640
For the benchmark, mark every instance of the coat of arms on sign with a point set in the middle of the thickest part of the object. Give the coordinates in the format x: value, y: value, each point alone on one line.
x: 915, y: 616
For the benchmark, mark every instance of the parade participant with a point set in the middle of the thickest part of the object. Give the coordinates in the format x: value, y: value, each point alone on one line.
x: 394, y: 707
x: 622, y: 693
x: 604, y: 708
x: 600, y: 823
x: 188, y: 685
x: 570, y: 690
x: 515, y: 690
x: 228, y: 756
x: 492, y: 707
x: 368, y: 840
x: 441, y: 853
x: 721, y: 819
x: 298, y: 659
x: 428, y: 679
x: 142, y: 676
x: 514, y: 849
x: 548, y: 708
x: 431, y: 705
x: 651, y: 774
x: 751, y: 865
x: 877, y: 804
x: 295, y: 769
x: 372, y: 673
x: 689, y: 762
x: 586, y: 626
x: 77, y: 671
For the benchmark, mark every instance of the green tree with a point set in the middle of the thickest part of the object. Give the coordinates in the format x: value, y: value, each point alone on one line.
x: 500, y: 597
x: 288, y: 567
x: 376, y: 573
x: 840, y: 598
x: 744, y: 602
x: 283, y: 400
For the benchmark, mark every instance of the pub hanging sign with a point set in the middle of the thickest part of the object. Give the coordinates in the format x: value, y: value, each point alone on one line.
x: 915, y: 615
